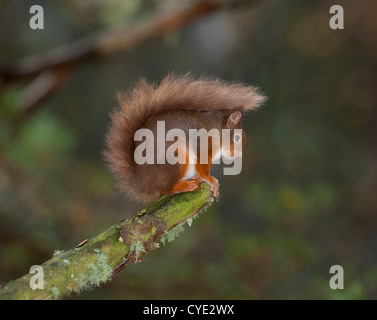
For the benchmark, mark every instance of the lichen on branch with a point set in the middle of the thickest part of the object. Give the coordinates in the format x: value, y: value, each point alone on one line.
x: 98, y: 259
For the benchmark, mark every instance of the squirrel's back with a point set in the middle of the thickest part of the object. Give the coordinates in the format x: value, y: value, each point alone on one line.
x: 146, y: 100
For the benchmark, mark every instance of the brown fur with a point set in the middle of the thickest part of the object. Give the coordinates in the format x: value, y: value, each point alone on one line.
x: 182, y: 102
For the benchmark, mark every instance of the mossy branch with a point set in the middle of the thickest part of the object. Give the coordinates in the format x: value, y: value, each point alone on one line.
x: 97, y: 260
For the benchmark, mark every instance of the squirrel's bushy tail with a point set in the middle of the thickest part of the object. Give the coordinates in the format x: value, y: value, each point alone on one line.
x: 174, y: 92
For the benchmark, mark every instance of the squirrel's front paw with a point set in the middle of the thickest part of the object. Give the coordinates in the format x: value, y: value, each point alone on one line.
x: 193, y: 184
x: 215, y: 189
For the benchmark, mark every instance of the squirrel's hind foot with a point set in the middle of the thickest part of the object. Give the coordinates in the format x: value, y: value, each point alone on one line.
x: 186, y: 186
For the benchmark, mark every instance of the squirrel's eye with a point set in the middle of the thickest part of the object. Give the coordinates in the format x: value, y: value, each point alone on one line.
x: 237, y: 137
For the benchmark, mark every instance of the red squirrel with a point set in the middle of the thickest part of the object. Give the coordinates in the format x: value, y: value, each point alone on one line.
x: 178, y: 102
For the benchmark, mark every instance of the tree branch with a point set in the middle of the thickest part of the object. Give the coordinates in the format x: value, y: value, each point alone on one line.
x: 40, y: 88
x: 97, y: 260
x: 55, y: 65
x: 109, y: 42
x: 61, y: 59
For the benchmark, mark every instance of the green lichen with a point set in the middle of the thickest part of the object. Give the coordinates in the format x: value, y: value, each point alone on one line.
x: 57, y: 253
x: 172, y: 234
x: 97, y: 273
x: 82, y: 268
x: 138, y: 248
x: 190, y: 220
x: 55, y: 292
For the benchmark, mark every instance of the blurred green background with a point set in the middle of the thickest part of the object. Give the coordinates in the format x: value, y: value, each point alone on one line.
x: 307, y: 195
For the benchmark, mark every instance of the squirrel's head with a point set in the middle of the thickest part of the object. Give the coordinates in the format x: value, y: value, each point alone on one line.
x: 232, y: 147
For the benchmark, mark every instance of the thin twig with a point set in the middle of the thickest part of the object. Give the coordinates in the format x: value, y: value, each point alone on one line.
x: 40, y: 88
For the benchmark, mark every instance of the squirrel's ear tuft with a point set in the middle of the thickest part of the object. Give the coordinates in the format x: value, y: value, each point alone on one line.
x: 234, y: 119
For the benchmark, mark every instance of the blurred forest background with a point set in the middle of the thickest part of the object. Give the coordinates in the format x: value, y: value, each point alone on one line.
x: 305, y: 200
